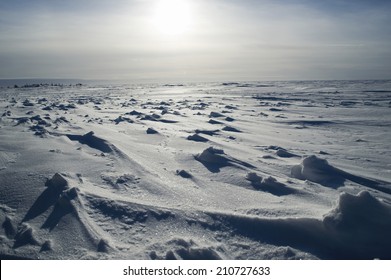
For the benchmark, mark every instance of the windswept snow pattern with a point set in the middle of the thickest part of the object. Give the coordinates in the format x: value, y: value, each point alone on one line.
x: 271, y: 170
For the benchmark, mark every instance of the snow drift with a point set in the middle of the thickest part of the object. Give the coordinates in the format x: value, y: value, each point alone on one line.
x: 278, y: 170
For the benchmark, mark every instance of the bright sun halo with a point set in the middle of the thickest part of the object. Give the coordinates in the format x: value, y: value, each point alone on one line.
x: 172, y: 17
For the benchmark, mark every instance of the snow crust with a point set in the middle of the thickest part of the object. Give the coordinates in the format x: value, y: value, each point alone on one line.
x: 272, y: 170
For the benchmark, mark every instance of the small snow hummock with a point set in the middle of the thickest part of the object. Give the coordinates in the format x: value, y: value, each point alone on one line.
x: 197, y: 138
x: 284, y: 153
x: 184, y: 174
x: 268, y: 184
x: 254, y: 178
x: 150, y: 130
x: 212, y: 155
x: 315, y: 169
x: 57, y: 182
x: 361, y: 211
x: 215, y: 115
x: 363, y: 225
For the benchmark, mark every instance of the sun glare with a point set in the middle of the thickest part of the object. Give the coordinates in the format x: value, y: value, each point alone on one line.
x: 172, y: 17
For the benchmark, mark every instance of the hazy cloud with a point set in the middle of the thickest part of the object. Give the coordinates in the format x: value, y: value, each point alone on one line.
x: 294, y: 39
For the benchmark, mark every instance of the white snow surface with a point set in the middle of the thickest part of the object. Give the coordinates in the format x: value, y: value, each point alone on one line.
x: 262, y: 170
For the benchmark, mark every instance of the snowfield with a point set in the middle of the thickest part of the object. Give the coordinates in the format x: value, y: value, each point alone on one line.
x: 263, y: 170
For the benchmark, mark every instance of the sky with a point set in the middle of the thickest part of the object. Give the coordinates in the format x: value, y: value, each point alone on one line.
x: 195, y: 40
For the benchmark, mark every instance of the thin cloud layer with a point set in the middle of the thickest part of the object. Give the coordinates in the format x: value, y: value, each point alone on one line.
x: 251, y: 40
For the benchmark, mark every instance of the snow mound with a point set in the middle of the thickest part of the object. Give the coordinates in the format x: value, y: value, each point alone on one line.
x: 284, y: 153
x: 184, y: 174
x: 49, y: 197
x: 212, y: 121
x: 215, y: 115
x: 231, y: 129
x: 25, y: 236
x: 47, y: 246
x: 57, y: 182
x: 134, y: 113
x: 150, y: 130
x: 67, y: 196
x: 197, y: 138
x: 117, y: 181
x: 362, y: 214
x: 269, y: 184
x: 63, y: 206
x: 182, y: 249
x: 214, y: 159
x: 104, y: 246
x: 254, y: 178
x: 59, y: 197
x: 93, y: 141
x: 213, y: 155
x: 198, y: 254
x: 9, y: 228
x: 362, y: 223
x: 122, y: 119
x: 316, y: 170
x: 320, y: 171
x: 359, y: 227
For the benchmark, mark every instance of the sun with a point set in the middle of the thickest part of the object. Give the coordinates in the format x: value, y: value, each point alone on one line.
x: 172, y: 17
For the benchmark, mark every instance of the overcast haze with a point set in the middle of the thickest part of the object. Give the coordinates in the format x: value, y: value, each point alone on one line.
x: 212, y: 40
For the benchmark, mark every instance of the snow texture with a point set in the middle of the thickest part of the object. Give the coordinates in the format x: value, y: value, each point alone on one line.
x: 271, y: 170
